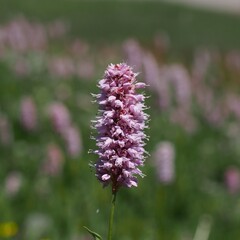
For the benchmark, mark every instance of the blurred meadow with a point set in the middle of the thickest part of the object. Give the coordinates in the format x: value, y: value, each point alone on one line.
x: 52, y: 54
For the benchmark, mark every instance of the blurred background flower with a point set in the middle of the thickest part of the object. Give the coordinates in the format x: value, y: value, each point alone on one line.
x: 8, y: 229
x: 165, y: 162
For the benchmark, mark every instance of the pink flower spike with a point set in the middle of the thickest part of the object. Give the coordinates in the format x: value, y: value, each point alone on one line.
x: 120, y: 125
x: 28, y: 114
x: 165, y: 162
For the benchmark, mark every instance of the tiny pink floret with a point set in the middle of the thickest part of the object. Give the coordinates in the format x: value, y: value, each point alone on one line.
x: 120, y: 124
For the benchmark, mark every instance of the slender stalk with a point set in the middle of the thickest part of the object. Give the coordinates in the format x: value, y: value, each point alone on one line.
x: 114, y: 193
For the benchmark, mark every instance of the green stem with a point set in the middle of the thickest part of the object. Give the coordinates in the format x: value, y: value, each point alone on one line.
x: 111, y: 215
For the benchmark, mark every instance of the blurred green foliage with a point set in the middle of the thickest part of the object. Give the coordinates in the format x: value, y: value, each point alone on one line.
x: 115, y: 20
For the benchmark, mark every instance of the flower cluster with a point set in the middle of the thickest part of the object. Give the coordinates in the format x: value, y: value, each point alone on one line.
x: 120, y: 126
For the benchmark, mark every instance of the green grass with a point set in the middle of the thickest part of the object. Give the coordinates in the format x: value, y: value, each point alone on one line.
x: 108, y: 21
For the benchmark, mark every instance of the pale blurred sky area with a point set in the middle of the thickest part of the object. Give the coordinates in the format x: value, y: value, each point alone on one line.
x: 222, y: 5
